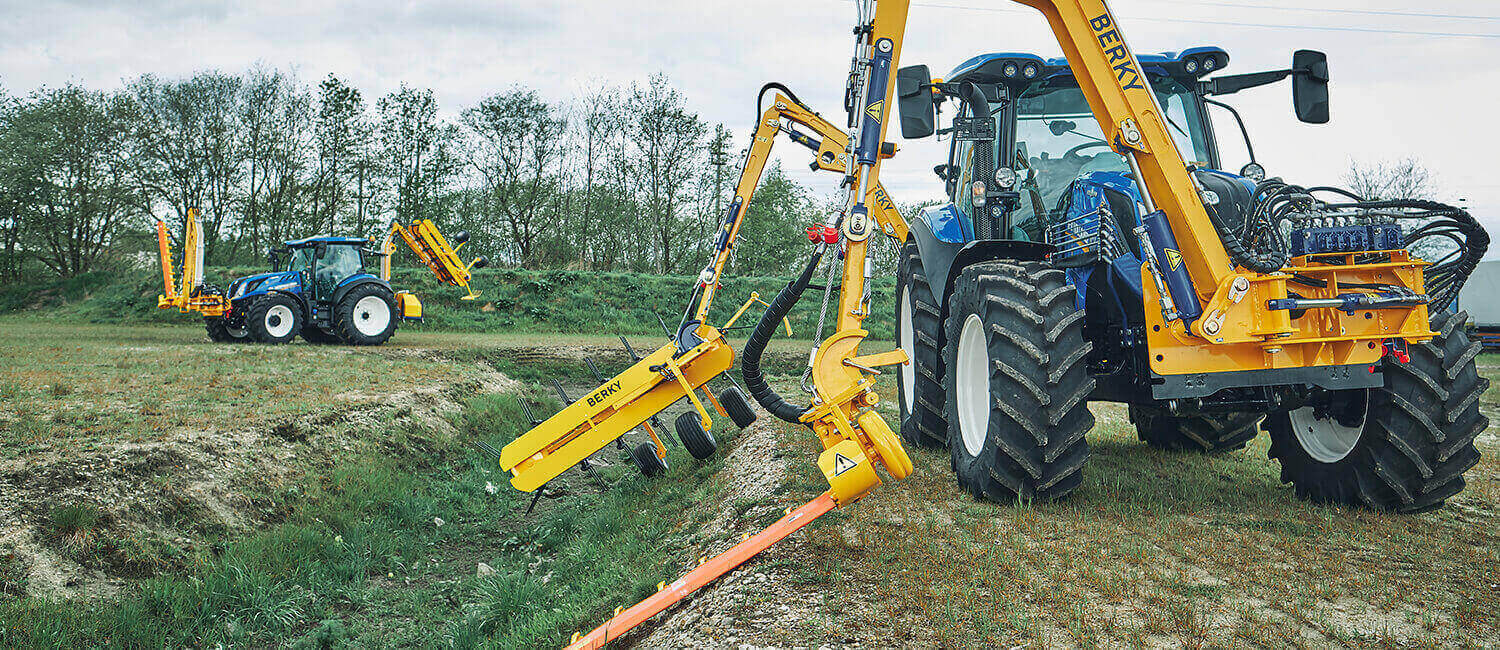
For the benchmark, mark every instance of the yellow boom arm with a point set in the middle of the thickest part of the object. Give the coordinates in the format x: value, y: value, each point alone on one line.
x: 424, y: 239
x: 189, y: 296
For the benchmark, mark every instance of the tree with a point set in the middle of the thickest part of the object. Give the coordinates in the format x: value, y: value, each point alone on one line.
x: 275, y: 114
x: 342, y: 134
x: 67, y: 167
x: 774, y: 224
x: 518, y: 140
x: 187, y: 148
x: 417, y: 150
x: 1406, y: 178
x: 665, y: 151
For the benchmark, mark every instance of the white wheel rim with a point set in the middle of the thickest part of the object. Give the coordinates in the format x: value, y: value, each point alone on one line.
x: 279, y: 321
x: 371, y: 315
x: 909, y: 346
x: 972, y: 379
x: 1325, y: 439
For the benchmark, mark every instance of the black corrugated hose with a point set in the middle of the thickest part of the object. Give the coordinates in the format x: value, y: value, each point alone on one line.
x: 755, y: 381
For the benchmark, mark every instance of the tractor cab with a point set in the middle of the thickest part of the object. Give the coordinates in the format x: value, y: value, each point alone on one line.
x: 325, y: 262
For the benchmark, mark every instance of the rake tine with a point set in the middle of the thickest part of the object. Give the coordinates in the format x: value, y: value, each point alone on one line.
x: 633, y: 356
x: 534, y: 498
x: 527, y: 410
x: 486, y: 448
x: 560, y: 392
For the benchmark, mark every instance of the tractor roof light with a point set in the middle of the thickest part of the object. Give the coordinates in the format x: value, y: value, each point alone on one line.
x: 1005, y: 177
x: 1030, y: 71
x: 1009, y: 70
x: 1191, y: 65
x: 1209, y: 63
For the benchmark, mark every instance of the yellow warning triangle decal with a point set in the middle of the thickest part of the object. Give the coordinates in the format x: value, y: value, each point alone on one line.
x: 842, y: 463
x: 1174, y: 259
x: 874, y: 110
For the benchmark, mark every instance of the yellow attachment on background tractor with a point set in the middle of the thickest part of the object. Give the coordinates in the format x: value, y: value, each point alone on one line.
x: 623, y: 403
x: 424, y: 239
x: 189, y: 296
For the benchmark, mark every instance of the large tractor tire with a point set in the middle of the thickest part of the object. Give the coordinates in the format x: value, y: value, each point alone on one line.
x: 1403, y: 447
x: 274, y: 318
x: 919, y: 331
x: 1017, y: 382
x: 220, y: 331
x: 366, y: 315
x: 1210, y: 434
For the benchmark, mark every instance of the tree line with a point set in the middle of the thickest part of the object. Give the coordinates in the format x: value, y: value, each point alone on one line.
x: 614, y: 179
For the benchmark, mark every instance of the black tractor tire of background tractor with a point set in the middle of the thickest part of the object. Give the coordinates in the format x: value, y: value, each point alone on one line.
x: 922, y: 424
x: 1418, y: 432
x: 265, y: 318
x: 1025, y: 382
x: 317, y: 335
x: 350, y: 322
x: 645, y: 459
x: 1206, y: 433
x: 700, y: 444
x: 219, y: 331
x: 737, y: 407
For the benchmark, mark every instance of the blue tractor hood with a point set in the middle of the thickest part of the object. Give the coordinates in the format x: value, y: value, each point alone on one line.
x: 260, y: 283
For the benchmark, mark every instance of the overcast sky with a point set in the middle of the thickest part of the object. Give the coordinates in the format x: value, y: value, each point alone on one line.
x: 1427, y: 91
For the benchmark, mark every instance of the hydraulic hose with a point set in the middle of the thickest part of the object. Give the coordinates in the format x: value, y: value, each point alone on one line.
x: 755, y: 380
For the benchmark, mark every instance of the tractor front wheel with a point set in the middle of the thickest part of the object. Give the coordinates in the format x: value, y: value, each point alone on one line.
x: 1017, y: 382
x: 274, y: 318
x: 1403, y: 447
x: 366, y: 315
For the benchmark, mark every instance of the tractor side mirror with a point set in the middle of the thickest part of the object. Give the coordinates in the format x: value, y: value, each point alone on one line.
x: 1310, y: 86
x: 914, y: 100
x: 273, y: 258
x: 320, y: 251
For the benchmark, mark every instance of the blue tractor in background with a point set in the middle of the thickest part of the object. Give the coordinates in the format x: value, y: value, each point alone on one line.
x: 318, y: 288
x: 1020, y: 299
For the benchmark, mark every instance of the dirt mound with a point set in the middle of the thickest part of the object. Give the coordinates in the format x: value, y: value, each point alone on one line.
x: 81, y: 522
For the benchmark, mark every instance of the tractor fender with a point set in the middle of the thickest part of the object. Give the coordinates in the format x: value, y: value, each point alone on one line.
x: 943, y: 259
x: 356, y: 281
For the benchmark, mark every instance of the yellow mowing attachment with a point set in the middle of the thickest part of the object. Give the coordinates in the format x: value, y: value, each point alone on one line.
x: 613, y: 409
x: 424, y: 239
x: 169, y: 283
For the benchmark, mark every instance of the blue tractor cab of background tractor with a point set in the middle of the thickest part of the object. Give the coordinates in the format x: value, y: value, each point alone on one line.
x: 319, y: 288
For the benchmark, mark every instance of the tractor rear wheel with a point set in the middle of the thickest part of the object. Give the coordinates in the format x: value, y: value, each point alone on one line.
x: 1202, y: 433
x: 699, y: 442
x: 645, y: 459
x: 366, y: 315
x: 274, y: 318
x: 1403, y: 447
x: 737, y: 407
x: 919, y: 331
x: 1017, y: 381
x: 220, y: 331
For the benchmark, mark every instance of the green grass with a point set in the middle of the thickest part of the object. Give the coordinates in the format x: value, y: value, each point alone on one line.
x: 358, y: 557
x: 573, y: 302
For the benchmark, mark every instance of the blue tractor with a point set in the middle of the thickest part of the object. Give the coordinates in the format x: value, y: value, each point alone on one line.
x: 1026, y: 294
x: 318, y: 288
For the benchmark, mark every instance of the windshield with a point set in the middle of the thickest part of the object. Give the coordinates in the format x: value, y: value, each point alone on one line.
x: 300, y: 259
x: 1057, y: 137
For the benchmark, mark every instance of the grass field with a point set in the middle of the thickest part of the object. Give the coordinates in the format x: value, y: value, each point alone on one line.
x: 156, y: 489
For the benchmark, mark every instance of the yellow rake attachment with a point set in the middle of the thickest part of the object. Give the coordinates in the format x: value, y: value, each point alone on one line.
x: 621, y: 404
